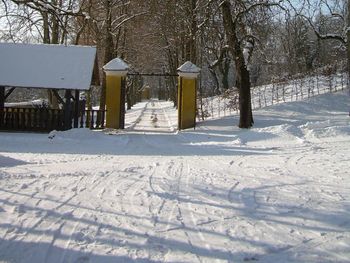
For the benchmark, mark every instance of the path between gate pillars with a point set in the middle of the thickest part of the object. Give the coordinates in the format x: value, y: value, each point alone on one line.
x: 116, y: 71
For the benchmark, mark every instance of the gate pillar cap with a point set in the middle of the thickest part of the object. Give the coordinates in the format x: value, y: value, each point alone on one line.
x: 116, y: 67
x: 188, y: 70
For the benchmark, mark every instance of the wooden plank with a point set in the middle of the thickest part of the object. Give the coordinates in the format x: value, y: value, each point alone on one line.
x: 21, y: 119
x: 35, y: 119
x: 29, y: 118
x: 92, y: 120
x: 26, y: 119
x: 122, y: 103
x: 58, y: 96
x: 103, y: 119
x: 2, y: 105
x: 67, y: 110
x: 50, y: 122
x: 2, y: 97
x: 42, y: 119
x: 87, y: 118
x: 76, y: 109
x: 82, y: 108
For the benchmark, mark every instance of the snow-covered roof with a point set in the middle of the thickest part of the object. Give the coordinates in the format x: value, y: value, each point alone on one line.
x: 189, y: 67
x: 116, y: 64
x: 46, y: 66
x: 189, y: 70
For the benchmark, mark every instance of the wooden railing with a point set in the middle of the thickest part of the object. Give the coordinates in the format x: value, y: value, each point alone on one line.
x: 93, y: 119
x: 44, y: 120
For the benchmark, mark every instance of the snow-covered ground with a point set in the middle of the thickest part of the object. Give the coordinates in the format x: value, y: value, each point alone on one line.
x: 276, y: 193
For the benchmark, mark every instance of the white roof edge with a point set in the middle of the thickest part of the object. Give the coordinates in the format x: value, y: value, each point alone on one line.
x: 48, y: 45
x: 116, y: 64
x: 189, y: 67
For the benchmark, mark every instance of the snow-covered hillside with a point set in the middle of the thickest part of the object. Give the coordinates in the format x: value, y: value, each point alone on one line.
x: 276, y: 193
x: 299, y: 88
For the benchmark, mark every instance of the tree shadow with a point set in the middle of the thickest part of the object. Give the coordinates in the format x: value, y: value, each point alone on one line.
x: 150, y: 144
x: 10, y: 162
x: 19, y: 250
x: 245, y: 205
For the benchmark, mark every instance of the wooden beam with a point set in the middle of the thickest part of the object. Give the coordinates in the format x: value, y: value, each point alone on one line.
x: 2, y: 105
x: 122, y: 103
x: 76, y: 109
x: 9, y: 92
x: 67, y: 110
x: 58, y: 96
x: 2, y: 98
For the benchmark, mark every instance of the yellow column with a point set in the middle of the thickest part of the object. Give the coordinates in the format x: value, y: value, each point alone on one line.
x: 113, y: 101
x: 187, y: 100
x: 116, y: 71
x: 187, y: 95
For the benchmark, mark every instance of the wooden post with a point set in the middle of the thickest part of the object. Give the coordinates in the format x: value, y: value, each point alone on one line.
x: 67, y: 110
x: 76, y: 109
x: 187, y: 95
x: 2, y: 98
x: 2, y: 105
x: 116, y: 71
x: 179, y: 104
x: 122, y: 103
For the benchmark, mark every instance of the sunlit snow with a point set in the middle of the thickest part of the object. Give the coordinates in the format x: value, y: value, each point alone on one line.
x: 278, y: 192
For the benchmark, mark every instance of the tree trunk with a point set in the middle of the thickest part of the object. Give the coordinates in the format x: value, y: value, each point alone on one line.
x: 46, y: 27
x: 225, y: 72
x: 108, y: 52
x: 191, y: 53
x: 242, y: 73
x: 128, y: 96
x: 216, y: 90
x: 52, y: 100
x: 348, y: 43
x: 245, y: 108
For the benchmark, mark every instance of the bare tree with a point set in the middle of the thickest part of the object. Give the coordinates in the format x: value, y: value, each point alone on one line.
x: 241, y: 41
x: 329, y: 20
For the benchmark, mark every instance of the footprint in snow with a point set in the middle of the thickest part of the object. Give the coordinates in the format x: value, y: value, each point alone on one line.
x: 81, y: 238
x: 247, y: 259
x: 24, y: 186
x: 82, y: 259
x: 20, y: 209
x: 10, y: 230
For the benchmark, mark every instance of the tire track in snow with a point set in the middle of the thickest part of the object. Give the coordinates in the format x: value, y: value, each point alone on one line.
x: 157, y: 190
x: 172, y: 195
x: 56, y: 226
x: 192, y: 216
x: 180, y: 216
x: 163, y: 211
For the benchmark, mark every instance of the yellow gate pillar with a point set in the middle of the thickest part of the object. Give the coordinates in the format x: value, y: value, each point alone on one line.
x: 116, y: 71
x: 187, y: 95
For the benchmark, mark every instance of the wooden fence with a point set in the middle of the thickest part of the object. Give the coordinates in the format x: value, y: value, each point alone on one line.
x: 45, y: 120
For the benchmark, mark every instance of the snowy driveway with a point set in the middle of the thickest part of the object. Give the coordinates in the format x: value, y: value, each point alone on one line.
x: 277, y: 193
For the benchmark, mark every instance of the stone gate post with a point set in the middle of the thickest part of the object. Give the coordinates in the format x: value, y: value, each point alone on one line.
x: 187, y: 95
x: 116, y: 71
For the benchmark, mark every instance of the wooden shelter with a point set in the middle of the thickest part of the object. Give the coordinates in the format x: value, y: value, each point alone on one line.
x: 52, y: 67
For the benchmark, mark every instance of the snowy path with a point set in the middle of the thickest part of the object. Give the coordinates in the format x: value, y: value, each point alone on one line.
x: 276, y: 193
x: 153, y: 118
